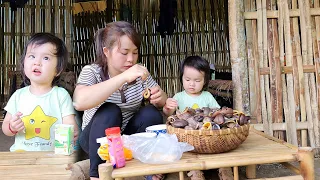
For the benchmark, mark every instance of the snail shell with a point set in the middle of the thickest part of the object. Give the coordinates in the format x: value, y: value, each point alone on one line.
x: 207, y: 119
x: 215, y: 127
x: 184, y: 115
x: 206, y: 111
x: 230, y: 115
x: 243, y: 119
x: 172, y: 118
x: 180, y: 123
x: 198, y: 117
x: 213, y: 114
x: 147, y: 93
x: 219, y: 119
x: 198, y: 111
x: 225, y: 110
x: 206, y: 126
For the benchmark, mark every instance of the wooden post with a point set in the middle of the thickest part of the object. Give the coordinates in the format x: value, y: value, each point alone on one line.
x: 306, y: 159
x: 235, y: 173
x: 251, y: 171
x: 181, y: 175
x: 238, y: 56
x: 105, y: 171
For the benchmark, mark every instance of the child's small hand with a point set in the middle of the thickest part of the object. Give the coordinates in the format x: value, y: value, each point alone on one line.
x: 171, y: 104
x: 16, y: 124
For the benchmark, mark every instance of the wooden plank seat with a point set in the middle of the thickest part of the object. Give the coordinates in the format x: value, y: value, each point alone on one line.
x: 257, y: 149
x: 34, y: 165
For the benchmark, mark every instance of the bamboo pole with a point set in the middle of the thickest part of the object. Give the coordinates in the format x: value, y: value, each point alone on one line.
x: 314, y: 104
x: 37, y: 17
x: 291, y: 167
x: 274, y: 63
x: 282, y: 60
x: 251, y: 171
x: 306, y: 60
x: 238, y: 56
x: 255, y: 36
x: 236, y: 173
x: 298, y: 59
x: 306, y: 159
x: 105, y: 171
x: 264, y: 117
x: 316, y: 45
x: 282, y: 126
x: 291, y: 123
x: 251, y: 60
x: 268, y: 122
x: 181, y: 175
x: 273, y: 14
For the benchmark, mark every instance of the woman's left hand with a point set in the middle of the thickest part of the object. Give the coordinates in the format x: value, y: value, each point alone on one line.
x: 158, y: 96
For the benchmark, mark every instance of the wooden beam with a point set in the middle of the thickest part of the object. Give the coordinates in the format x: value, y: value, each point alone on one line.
x: 238, y: 56
x: 281, y: 126
x: 288, y: 69
x: 275, y: 14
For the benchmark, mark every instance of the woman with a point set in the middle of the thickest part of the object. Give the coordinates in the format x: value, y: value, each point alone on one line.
x: 110, y: 90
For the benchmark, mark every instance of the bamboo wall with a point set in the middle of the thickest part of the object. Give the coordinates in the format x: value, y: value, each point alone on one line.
x: 201, y: 28
x: 17, y: 27
x: 283, y: 49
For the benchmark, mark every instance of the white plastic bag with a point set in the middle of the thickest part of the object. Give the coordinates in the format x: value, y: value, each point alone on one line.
x: 161, y: 150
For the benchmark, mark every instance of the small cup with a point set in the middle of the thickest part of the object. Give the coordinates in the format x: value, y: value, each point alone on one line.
x: 145, y: 134
x: 160, y: 128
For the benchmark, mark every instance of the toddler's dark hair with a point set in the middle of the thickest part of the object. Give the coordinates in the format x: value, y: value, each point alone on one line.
x: 199, y: 64
x: 61, y: 53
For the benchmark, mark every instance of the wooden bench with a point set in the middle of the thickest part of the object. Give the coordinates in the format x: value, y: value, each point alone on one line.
x: 257, y: 149
x: 34, y: 165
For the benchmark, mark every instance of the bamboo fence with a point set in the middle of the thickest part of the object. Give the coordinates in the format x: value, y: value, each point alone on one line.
x: 17, y: 27
x: 283, y: 43
x: 201, y: 28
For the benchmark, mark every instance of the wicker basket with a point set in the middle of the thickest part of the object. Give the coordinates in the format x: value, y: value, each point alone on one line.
x: 214, y: 141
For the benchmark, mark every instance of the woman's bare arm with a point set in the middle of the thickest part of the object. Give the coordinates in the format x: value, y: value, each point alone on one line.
x: 87, y: 97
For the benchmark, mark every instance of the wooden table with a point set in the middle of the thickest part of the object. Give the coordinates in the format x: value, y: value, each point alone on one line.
x: 34, y: 165
x: 257, y: 149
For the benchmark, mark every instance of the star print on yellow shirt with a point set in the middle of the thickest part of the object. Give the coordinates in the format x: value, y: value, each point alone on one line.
x: 195, y: 106
x: 38, y: 124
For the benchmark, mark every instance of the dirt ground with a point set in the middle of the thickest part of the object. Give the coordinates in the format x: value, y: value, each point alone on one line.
x: 263, y: 171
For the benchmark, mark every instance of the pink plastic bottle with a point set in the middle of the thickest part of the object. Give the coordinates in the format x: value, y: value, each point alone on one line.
x: 116, y: 152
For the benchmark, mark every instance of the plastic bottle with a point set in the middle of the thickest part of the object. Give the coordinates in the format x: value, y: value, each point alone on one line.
x: 116, y: 152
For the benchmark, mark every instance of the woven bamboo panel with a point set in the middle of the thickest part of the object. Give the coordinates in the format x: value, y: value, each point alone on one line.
x: 200, y: 28
x: 283, y: 41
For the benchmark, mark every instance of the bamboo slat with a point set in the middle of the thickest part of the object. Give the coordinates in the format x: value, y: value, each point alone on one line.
x: 306, y: 60
x: 282, y: 126
x: 275, y: 14
x: 274, y: 63
x: 312, y: 83
x: 291, y: 132
x: 316, y: 49
x: 251, y: 58
x: 34, y: 165
x: 268, y: 122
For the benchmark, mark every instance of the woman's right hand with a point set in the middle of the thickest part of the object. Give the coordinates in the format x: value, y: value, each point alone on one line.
x: 16, y: 124
x: 136, y: 71
x: 171, y: 104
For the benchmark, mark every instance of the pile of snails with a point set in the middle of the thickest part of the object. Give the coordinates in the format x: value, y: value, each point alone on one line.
x: 208, y: 118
